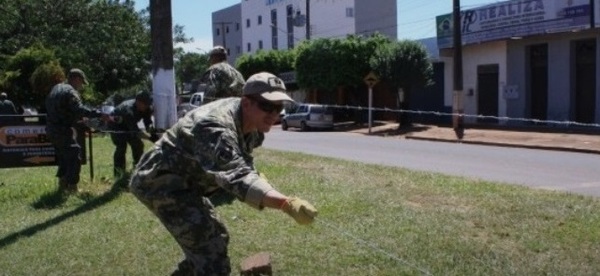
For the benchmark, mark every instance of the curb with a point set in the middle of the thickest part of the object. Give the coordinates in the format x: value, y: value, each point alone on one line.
x: 499, y: 144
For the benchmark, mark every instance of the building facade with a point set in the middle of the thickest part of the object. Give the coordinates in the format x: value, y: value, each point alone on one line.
x: 282, y: 24
x: 527, y: 60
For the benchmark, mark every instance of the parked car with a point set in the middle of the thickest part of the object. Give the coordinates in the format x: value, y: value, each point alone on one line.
x: 281, y: 115
x: 309, y: 116
x: 195, y: 100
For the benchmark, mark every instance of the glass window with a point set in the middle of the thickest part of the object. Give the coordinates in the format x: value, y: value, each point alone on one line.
x: 247, y: 23
x: 260, y: 20
x: 349, y: 12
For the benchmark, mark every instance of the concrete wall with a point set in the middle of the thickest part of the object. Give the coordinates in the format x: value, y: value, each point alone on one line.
x: 560, y: 66
x: 473, y: 56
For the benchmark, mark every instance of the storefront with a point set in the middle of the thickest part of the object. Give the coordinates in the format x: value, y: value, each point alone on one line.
x: 527, y: 59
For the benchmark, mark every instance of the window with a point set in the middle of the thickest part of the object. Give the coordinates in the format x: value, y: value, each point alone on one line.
x: 218, y: 31
x: 227, y: 29
x: 349, y: 12
x: 260, y: 44
x: 237, y: 26
x: 260, y: 20
x: 274, y: 40
x: 249, y: 47
x: 238, y: 49
x: 247, y: 23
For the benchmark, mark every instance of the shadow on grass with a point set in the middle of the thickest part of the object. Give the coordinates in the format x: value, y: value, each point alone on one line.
x: 55, y: 199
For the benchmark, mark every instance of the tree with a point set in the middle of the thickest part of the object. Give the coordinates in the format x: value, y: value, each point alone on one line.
x: 163, y: 75
x: 274, y: 61
x: 18, y: 71
x: 44, y: 78
x: 190, y: 66
x: 404, y: 64
x: 109, y: 40
x: 332, y: 64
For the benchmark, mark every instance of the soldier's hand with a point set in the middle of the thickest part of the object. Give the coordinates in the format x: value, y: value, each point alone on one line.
x: 299, y: 209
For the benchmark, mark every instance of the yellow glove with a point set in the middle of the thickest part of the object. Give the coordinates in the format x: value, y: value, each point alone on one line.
x: 299, y: 209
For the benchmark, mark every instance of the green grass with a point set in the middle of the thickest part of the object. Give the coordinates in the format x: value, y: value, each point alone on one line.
x: 373, y: 220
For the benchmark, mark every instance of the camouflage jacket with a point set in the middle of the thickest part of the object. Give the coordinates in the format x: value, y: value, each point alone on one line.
x: 127, y: 117
x: 64, y: 109
x: 222, y: 81
x: 209, y: 150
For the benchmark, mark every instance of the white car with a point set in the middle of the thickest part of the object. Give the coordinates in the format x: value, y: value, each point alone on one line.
x: 309, y: 116
x: 196, y: 100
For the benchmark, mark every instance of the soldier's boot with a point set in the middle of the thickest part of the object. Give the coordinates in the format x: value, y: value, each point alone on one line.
x: 62, y: 184
x: 72, y: 189
x: 65, y: 187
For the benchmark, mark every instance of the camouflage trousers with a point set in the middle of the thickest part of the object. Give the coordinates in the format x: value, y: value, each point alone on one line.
x: 188, y: 216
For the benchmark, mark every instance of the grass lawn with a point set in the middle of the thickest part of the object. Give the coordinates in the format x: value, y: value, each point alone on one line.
x: 373, y: 220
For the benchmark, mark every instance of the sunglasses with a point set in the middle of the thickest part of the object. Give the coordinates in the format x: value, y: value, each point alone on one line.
x: 268, y: 107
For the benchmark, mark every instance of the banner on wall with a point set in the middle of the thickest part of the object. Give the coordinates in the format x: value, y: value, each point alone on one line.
x: 517, y: 18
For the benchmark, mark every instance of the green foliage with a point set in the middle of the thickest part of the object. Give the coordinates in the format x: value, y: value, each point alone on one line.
x: 404, y: 64
x: 190, y: 66
x: 18, y: 71
x: 274, y: 61
x: 327, y: 63
x: 43, y: 79
x: 109, y: 40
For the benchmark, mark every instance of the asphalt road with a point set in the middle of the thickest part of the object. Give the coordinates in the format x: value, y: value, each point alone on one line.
x: 566, y: 171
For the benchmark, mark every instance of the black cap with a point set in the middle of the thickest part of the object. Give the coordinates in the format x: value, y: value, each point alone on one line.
x: 144, y: 97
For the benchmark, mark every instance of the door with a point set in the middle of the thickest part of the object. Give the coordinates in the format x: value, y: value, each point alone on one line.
x: 538, y: 66
x: 487, y: 92
x: 585, y: 81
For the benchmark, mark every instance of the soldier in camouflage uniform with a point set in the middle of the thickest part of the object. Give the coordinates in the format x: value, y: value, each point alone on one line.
x: 221, y: 79
x: 211, y: 148
x: 64, y: 111
x: 125, y: 129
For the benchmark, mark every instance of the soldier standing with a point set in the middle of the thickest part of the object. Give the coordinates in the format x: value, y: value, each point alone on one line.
x: 64, y: 111
x: 125, y: 129
x: 222, y: 80
x: 211, y: 148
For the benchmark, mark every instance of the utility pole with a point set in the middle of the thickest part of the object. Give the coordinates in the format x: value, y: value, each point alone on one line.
x: 307, y: 19
x: 457, y: 109
x: 163, y: 75
x: 223, y: 24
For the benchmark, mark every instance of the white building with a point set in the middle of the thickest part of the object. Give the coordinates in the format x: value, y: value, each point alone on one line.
x: 281, y: 24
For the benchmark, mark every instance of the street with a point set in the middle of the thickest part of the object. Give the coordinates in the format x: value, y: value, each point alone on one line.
x: 566, y: 171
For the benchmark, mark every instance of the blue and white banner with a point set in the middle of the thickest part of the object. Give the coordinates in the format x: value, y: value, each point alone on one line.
x: 517, y: 18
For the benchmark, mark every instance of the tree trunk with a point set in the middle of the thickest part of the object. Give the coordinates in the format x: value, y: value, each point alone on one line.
x: 163, y: 75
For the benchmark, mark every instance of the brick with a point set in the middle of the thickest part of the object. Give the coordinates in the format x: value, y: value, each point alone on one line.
x: 256, y: 265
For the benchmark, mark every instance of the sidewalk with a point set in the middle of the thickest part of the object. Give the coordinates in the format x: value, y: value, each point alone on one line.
x: 538, y: 138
